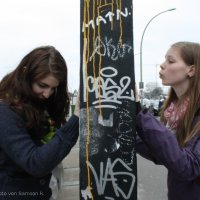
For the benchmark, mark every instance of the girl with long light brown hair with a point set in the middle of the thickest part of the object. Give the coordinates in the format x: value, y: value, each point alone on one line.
x: 174, y: 141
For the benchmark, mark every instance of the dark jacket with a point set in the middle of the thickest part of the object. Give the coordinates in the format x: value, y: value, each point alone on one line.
x: 25, y: 166
x: 160, y: 145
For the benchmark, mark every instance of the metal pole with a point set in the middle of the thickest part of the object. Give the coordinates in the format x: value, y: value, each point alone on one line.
x: 141, y: 84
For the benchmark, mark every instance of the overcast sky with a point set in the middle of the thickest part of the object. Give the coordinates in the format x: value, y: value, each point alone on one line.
x: 26, y: 24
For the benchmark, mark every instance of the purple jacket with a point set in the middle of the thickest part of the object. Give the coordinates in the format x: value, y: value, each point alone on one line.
x: 160, y: 145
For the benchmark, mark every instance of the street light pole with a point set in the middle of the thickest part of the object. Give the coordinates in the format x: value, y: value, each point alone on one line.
x: 141, y: 83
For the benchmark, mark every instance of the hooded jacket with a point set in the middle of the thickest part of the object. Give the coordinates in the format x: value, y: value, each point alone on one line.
x: 160, y: 145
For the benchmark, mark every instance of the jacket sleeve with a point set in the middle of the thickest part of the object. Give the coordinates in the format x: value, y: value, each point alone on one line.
x: 184, y: 162
x: 143, y: 150
x: 19, y: 146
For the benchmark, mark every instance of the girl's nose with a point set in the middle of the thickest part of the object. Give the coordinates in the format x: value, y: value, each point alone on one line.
x: 47, y: 93
x: 162, y: 66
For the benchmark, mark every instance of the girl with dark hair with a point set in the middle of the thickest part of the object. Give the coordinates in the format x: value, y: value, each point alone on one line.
x: 174, y: 141
x: 34, y: 134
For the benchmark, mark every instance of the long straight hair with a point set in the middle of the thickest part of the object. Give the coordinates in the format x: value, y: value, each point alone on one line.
x: 186, y: 130
x: 16, y: 87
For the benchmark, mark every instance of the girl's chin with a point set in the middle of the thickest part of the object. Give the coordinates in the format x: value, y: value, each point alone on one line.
x: 41, y: 98
x: 165, y: 83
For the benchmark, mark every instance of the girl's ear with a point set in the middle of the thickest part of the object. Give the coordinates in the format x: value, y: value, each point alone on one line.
x: 191, y: 70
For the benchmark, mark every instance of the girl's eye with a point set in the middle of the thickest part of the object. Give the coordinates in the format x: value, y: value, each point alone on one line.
x: 171, y: 61
x: 41, y: 85
x: 45, y: 86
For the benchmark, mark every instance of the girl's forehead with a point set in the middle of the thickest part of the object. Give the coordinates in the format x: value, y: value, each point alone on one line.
x: 50, y: 79
x: 173, y: 52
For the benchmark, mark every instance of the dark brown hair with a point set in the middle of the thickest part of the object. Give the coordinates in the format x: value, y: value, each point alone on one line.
x: 16, y: 87
x: 190, y: 53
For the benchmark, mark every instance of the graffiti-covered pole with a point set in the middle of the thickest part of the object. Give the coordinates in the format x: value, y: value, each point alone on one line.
x: 107, y: 121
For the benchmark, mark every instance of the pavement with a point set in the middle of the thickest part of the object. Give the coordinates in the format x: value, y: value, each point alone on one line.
x: 151, y: 178
x: 70, y: 190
